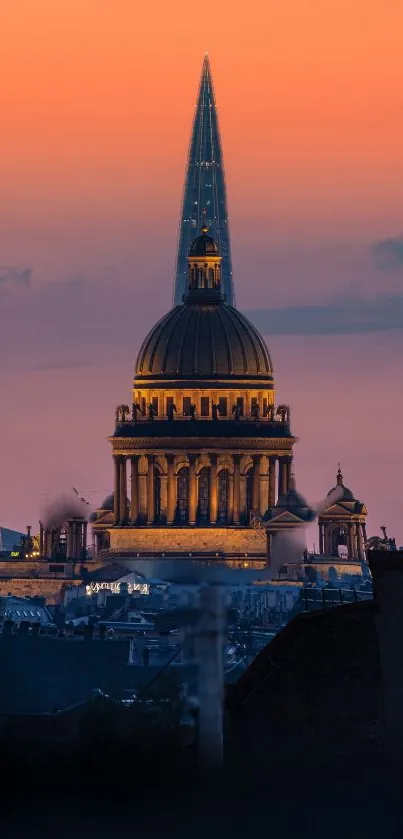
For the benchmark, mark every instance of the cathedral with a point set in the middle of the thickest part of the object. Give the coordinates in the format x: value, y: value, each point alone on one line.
x: 202, y: 456
x: 209, y: 450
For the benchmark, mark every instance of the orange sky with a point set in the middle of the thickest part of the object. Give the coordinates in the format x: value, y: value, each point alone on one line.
x: 96, y: 100
x: 96, y: 104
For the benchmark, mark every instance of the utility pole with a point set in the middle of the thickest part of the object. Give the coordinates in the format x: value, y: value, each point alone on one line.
x: 209, y: 642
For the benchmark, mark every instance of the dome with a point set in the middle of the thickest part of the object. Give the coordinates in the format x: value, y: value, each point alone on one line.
x: 107, y: 504
x: 292, y: 501
x: 346, y: 494
x: 203, y: 339
x: 203, y: 246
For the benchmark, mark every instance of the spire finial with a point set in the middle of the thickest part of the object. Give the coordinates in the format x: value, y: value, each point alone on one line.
x: 204, y: 227
x: 339, y: 476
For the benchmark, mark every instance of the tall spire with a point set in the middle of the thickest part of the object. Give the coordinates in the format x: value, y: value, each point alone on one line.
x: 204, y: 196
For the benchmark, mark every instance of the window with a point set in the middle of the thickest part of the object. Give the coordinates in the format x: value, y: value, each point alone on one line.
x: 157, y: 494
x: 204, y: 406
x: 187, y: 401
x: 239, y: 402
x: 183, y: 495
x: 143, y: 405
x: 223, y: 492
x: 254, y: 401
x: 265, y: 406
x: 204, y: 495
x: 249, y: 484
x: 222, y: 406
x: 154, y: 403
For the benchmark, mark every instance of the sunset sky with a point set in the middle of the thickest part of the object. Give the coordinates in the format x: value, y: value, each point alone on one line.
x: 96, y: 106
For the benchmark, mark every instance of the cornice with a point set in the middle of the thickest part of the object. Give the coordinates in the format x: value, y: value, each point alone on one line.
x: 124, y: 445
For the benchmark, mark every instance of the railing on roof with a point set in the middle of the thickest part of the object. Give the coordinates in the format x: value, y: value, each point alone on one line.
x: 256, y: 521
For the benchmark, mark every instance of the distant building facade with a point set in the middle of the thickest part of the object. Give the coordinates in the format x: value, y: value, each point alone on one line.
x: 342, y: 525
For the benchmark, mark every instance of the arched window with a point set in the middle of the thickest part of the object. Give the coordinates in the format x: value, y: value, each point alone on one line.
x: 338, y: 539
x: 182, y: 506
x: 223, y: 493
x: 157, y: 494
x: 203, y: 512
x: 248, y: 493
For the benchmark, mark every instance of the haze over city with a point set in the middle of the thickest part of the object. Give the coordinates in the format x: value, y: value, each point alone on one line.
x: 97, y: 108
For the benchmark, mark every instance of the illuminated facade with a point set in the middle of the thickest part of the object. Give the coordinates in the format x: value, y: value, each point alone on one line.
x: 207, y: 448
x: 204, y: 196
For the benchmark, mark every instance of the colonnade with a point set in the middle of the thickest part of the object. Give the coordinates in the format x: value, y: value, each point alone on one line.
x: 75, y: 532
x: 265, y: 487
x: 355, y: 532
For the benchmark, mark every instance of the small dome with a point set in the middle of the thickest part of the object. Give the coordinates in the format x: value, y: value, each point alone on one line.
x: 292, y: 501
x: 107, y: 504
x: 204, y: 245
x: 347, y: 494
x: 205, y: 340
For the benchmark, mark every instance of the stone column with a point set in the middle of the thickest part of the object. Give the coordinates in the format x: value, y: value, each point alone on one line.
x: 192, y: 489
x: 171, y: 489
x: 282, y: 478
x: 134, y: 489
x: 256, y: 484
x: 364, y: 531
x: 268, y: 548
x: 150, y: 490
x: 123, y: 491
x: 360, y: 539
x: 213, y: 489
x: 272, y: 481
x: 230, y: 499
x: 69, y: 546
x: 116, y: 496
x: 237, y: 489
x: 85, y: 529
x: 321, y: 546
x: 288, y: 470
x: 350, y: 542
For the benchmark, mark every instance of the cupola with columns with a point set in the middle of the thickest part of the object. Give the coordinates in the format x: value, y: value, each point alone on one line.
x: 208, y: 449
x: 342, y: 524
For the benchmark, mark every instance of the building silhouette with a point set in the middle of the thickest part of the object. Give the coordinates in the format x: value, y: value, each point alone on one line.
x: 204, y: 197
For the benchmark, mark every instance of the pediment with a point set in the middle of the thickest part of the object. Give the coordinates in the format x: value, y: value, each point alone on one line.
x: 106, y: 518
x: 286, y: 518
x: 339, y: 509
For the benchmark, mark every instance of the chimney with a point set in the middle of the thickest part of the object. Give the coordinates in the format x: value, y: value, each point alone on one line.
x: 387, y: 573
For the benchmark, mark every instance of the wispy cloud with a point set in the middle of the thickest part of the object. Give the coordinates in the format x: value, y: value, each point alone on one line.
x: 342, y: 317
x: 388, y: 254
x: 14, y: 275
